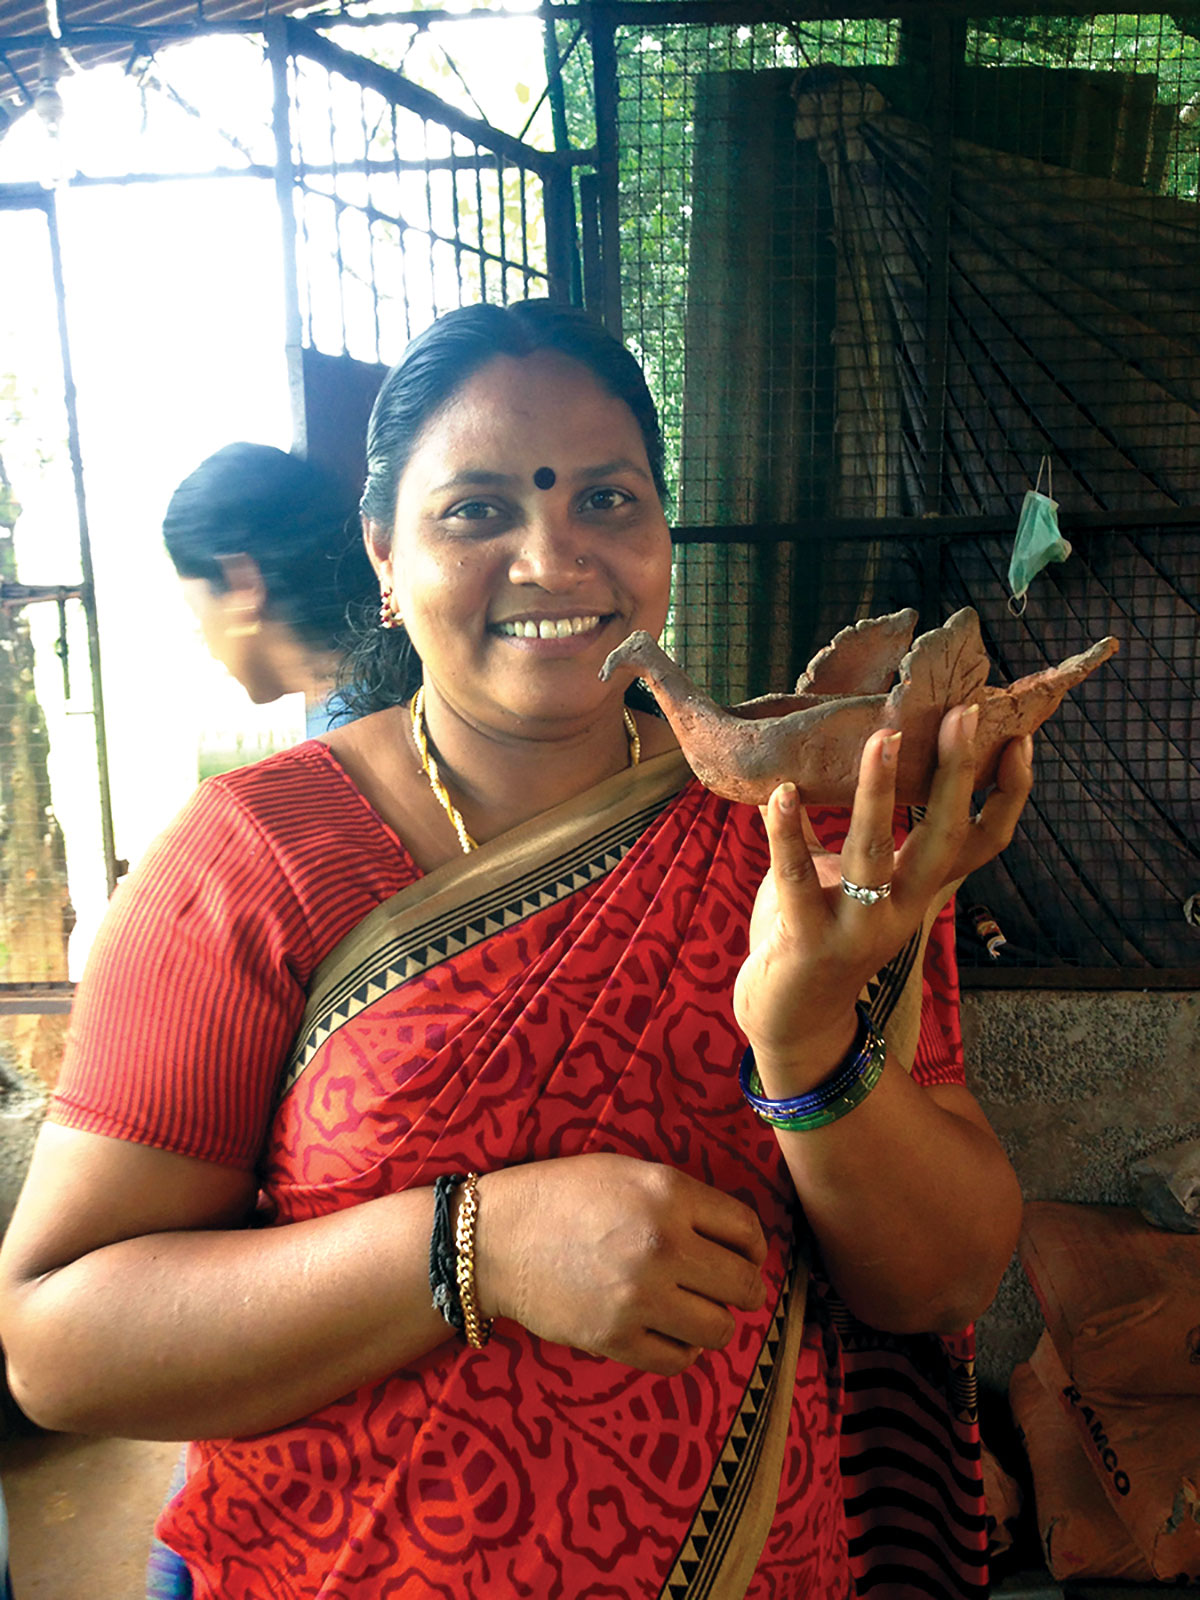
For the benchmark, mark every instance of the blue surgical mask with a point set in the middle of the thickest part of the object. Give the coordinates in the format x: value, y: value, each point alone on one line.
x: 1038, y: 542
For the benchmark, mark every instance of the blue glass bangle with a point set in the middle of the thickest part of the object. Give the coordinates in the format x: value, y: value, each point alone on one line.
x: 830, y: 1089
x: 846, y: 1087
x: 852, y: 1098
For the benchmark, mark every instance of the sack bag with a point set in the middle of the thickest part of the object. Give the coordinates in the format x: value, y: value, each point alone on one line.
x: 1081, y: 1534
x: 1145, y: 1454
x: 1121, y: 1299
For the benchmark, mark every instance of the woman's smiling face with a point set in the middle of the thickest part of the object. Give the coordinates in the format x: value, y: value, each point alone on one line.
x: 513, y: 594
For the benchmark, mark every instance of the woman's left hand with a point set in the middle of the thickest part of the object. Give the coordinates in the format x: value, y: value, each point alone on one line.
x: 812, y: 946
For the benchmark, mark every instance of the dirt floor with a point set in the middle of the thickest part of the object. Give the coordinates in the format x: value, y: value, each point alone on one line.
x: 80, y: 1514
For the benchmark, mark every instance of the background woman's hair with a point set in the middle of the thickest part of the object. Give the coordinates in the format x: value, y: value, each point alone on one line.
x: 384, y: 668
x: 294, y: 521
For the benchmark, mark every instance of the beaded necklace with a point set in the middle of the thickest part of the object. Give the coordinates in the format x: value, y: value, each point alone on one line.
x: 429, y: 766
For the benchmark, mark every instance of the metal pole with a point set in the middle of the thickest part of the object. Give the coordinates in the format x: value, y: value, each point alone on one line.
x: 562, y: 257
x: 285, y: 196
x: 589, y: 215
x: 88, y: 594
x: 604, y: 63
x: 562, y: 143
x: 945, y: 54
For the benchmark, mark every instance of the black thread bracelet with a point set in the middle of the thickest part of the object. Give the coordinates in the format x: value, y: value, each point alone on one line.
x: 443, y: 1254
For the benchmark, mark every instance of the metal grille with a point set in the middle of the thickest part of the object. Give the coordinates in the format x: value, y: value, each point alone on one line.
x: 880, y: 271
x: 403, y: 207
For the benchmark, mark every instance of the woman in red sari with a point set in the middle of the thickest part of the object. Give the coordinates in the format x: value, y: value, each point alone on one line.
x: 480, y: 968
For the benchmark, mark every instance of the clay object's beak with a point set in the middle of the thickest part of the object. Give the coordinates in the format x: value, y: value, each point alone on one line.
x: 1024, y: 705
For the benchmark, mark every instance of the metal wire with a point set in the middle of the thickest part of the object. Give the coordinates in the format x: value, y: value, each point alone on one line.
x: 877, y: 270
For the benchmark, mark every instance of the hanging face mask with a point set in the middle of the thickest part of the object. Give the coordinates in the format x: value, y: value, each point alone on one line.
x: 1038, y: 540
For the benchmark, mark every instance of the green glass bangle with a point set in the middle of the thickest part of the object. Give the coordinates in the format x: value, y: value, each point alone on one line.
x: 872, y: 1054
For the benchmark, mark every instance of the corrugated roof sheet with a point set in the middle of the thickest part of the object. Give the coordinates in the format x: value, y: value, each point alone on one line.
x: 24, y: 21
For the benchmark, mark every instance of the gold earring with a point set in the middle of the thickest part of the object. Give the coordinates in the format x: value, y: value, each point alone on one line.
x: 389, y: 611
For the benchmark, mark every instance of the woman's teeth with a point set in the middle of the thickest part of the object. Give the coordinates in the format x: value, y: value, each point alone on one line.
x: 559, y: 628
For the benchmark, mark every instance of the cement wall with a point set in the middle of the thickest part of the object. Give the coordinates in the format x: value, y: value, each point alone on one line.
x: 1077, y: 1085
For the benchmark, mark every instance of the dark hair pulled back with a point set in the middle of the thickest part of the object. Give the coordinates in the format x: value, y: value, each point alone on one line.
x: 296, y: 523
x: 384, y: 668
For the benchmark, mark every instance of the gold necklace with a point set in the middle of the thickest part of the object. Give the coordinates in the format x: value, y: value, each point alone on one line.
x: 429, y: 766
x: 631, y: 733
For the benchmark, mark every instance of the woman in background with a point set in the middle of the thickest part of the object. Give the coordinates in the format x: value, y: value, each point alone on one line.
x: 267, y: 546
x: 268, y: 549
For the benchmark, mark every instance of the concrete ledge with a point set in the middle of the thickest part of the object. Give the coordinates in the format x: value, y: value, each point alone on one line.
x: 1077, y: 1085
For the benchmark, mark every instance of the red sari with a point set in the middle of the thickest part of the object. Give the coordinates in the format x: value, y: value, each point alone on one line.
x: 567, y: 989
x: 566, y: 999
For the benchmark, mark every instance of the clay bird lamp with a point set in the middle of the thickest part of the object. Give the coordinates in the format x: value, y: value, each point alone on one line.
x: 871, y: 676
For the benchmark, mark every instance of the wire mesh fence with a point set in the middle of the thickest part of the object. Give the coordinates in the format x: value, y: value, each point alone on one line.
x: 1103, y: 870
x: 882, y: 274
x: 1105, y: 863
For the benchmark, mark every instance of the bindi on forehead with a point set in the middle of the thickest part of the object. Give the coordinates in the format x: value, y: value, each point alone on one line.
x: 544, y: 478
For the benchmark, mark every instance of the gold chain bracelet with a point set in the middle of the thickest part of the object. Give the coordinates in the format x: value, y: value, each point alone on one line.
x: 477, y: 1331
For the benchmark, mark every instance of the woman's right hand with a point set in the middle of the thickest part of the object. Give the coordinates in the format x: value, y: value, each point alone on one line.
x: 135, y: 1301
x: 617, y: 1256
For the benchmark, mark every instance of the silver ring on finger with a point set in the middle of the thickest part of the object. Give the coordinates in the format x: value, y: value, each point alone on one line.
x: 866, y: 896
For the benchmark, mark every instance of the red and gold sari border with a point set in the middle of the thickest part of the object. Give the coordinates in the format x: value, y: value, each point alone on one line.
x: 476, y: 896
x: 725, y: 1541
